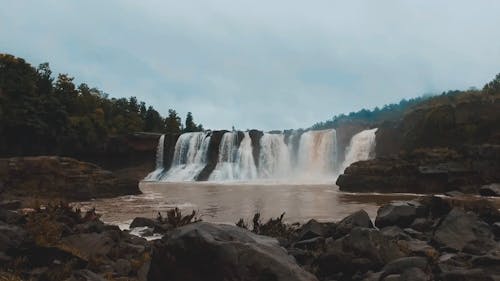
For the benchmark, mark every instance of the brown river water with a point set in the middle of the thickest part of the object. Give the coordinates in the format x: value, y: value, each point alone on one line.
x: 228, y: 202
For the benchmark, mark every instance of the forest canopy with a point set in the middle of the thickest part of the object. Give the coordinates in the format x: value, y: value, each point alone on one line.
x: 40, y: 113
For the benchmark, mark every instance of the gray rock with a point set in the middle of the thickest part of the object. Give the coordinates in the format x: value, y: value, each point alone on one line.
x: 122, y: 267
x: 399, y: 214
x: 458, y: 229
x: 399, y: 266
x: 85, y: 275
x: 415, y: 274
x: 142, y: 222
x: 490, y: 190
x: 475, y: 274
x: 357, y: 219
x: 362, y: 250
x: 311, y: 229
x: 202, y: 251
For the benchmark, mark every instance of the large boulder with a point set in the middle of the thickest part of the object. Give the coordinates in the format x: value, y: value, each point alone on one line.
x: 464, y: 231
x: 399, y: 214
x: 357, y: 219
x: 203, y: 251
x: 490, y: 190
x: 60, y: 177
x: 363, y: 249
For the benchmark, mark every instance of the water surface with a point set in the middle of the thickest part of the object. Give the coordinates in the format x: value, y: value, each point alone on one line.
x: 228, y: 202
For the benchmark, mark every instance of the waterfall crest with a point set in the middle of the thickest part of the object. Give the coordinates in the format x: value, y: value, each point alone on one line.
x: 309, y: 156
x: 155, y: 175
x: 190, y: 157
x: 361, y: 147
x: 235, y: 159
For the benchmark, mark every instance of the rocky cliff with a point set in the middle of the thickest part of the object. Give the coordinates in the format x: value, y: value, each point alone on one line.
x: 51, y: 177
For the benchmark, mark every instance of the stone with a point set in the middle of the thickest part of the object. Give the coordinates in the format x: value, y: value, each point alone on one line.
x: 222, y: 252
x: 357, y: 219
x: 490, y: 190
x: 85, y: 275
x: 311, y: 229
x: 122, y: 267
x: 362, y: 250
x: 399, y: 266
x: 399, y: 214
x: 458, y: 229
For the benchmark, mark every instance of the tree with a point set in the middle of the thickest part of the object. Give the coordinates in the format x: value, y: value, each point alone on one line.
x: 190, y: 125
x: 493, y: 87
x: 172, y: 122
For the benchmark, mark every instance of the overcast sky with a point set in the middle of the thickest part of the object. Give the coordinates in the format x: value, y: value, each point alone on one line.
x: 260, y: 64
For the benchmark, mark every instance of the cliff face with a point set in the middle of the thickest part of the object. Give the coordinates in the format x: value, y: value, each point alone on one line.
x: 467, y: 119
x: 213, y: 155
x: 60, y: 177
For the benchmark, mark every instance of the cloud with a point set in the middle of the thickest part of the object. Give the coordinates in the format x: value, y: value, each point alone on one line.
x: 268, y: 65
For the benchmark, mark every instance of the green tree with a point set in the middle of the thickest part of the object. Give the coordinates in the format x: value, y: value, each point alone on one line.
x: 172, y: 122
x: 190, y: 126
x: 493, y: 87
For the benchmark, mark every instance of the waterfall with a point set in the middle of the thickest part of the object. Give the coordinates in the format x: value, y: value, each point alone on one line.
x: 190, y: 157
x: 317, y: 154
x: 274, y: 158
x: 361, y: 147
x: 159, y: 161
x: 294, y: 155
x: 235, y: 161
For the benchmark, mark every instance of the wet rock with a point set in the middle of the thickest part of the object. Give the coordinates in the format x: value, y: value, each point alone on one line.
x: 454, y: 193
x: 311, y: 229
x: 310, y: 244
x: 418, y: 248
x: 400, y: 214
x: 13, y: 239
x: 357, y: 219
x: 85, y: 275
x: 221, y: 252
x: 143, y: 222
x: 11, y: 217
x: 395, y: 232
x: 415, y: 274
x: 400, y: 265
x: 458, y: 229
x: 475, y: 274
x: 61, y: 177
x: 422, y: 224
x: 122, y: 267
x: 88, y: 245
x: 10, y: 204
x: 490, y: 190
x: 496, y: 229
x: 363, y: 249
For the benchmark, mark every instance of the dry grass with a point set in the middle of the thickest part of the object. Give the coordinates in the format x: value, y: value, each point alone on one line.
x: 176, y: 219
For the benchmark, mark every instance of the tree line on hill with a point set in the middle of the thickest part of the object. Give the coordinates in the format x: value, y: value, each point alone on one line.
x: 394, y: 112
x: 40, y: 114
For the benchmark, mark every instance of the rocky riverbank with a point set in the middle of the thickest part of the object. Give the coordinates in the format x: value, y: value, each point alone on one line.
x: 51, y: 177
x: 473, y: 169
x: 428, y: 239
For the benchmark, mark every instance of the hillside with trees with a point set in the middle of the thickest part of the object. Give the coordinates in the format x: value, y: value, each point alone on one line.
x: 43, y: 114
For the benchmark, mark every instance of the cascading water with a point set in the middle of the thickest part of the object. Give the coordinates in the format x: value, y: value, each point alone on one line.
x: 317, y: 154
x: 361, y: 147
x: 309, y: 156
x: 235, y: 161
x: 159, y: 161
x: 190, y: 157
x: 274, y: 158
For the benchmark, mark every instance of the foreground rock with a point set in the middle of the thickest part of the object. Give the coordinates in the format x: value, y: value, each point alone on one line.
x: 49, y: 177
x: 427, y: 239
x: 204, y: 251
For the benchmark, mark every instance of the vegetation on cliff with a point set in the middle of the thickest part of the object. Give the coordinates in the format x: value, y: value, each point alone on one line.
x: 40, y: 114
